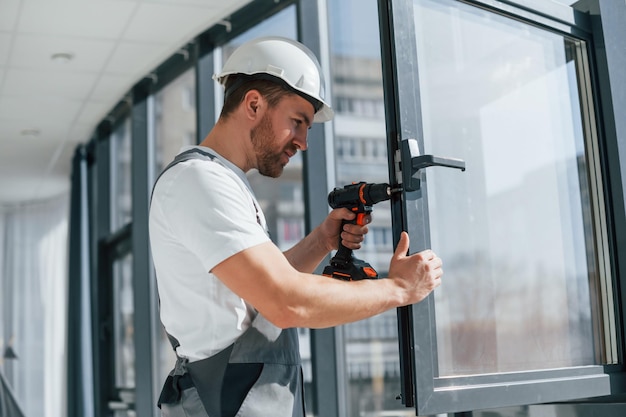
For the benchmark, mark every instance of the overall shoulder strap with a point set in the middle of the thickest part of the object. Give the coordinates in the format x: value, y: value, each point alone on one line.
x: 193, y: 153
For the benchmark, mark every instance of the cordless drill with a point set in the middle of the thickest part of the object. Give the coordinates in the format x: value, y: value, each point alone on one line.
x: 358, y: 198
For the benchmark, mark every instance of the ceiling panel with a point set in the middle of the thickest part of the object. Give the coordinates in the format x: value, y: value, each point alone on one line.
x: 31, y: 187
x: 73, y: 85
x: 83, y: 128
x: 5, y: 47
x: 8, y: 17
x: 217, y: 4
x: 135, y: 58
x: 28, y: 153
x: 111, y: 88
x: 35, y: 51
x: 93, y: 112
x: 163, y: 22
x: 36, y: 111
x: 97, y: 19
x: 10, y: 131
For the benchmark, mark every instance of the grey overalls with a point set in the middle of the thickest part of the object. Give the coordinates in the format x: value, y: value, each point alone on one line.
x: 259, y: 375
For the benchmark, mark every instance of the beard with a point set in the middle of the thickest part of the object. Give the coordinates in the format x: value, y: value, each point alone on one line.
x: 269, y: 160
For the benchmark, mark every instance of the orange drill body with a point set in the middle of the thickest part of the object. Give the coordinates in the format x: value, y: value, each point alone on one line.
x: 358, y: 198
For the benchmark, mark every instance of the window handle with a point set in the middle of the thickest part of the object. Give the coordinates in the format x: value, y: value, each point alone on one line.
x: 411, y: 158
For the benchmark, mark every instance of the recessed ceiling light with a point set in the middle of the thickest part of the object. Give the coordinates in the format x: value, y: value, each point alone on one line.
x: 62, y: 57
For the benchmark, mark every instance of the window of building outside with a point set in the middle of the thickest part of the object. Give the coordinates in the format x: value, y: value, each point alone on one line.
x: 371, y: 346
x: 123, y: 311
x: 174, y: 118
x: 282, y: 199
x: 121, y: 198
x: 515, y: 230
x: 174, y: 127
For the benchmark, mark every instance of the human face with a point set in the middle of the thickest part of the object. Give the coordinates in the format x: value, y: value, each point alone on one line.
x: 280, y: 133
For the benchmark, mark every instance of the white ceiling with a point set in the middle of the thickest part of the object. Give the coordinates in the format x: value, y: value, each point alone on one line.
x: 48, y: 107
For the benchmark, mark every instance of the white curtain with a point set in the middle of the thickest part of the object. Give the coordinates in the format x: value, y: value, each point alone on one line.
x: 33, y: 288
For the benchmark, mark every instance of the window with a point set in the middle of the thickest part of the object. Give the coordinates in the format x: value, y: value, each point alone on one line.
x: 268, y: 190
x: 174, y: 127
x: 174, y: 118
x: 516, y: 231
x: 121, y: 199
x: 281, y: 198
x: 123, y: 309
x: 515, y: 228
x: 371, y: 346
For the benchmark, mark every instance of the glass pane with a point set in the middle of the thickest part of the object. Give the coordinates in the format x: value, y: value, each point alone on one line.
x: 174, y: 127
x: 123, y: 309
x: 514, y: 230
x: 121, y: 202
x: 282, y: 23
x: 174, y: 118
x: 282, y: 199
x: 371, y: 346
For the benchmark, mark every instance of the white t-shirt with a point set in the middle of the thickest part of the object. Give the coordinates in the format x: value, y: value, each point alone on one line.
x: 202, y: 212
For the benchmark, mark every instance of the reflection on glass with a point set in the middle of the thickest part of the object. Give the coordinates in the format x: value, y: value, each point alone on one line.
x: 121, y: 201
x: 174, y: 118
x: 371, y: 346
x: 514, y: 230
x: 281, y: 199
x: 174, y: 127
x: 123, y: 322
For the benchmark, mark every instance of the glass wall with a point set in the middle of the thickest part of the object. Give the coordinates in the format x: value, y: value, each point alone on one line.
x: 174, y: 118
x: 501, y: 95
x: 371, y: 346
x: 174, y: 127
x: 280, y: 198
x: 33, y: 305
x: 123, y: 311
x: 514, y: 230
x: 120, y: 183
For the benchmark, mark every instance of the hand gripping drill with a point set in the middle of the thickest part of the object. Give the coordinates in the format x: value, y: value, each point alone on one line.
x: 358, y: 198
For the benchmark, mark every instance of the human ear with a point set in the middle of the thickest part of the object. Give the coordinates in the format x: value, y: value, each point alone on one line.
x: 253, y: 102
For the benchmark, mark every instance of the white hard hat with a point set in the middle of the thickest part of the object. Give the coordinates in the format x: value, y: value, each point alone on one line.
x: 285, y: 59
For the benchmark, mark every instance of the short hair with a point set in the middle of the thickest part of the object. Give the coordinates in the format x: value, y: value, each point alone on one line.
x: 238, y: 85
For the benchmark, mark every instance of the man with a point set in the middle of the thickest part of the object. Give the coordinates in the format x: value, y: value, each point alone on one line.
x: 229, y: 298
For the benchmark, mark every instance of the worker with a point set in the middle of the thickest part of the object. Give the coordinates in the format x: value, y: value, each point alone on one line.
x: 230, y: 300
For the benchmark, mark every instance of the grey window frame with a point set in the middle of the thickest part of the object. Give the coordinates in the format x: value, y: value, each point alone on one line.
x: 422, y: 388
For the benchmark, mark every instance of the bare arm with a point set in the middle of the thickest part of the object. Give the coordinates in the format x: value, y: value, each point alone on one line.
x: 263, y: 276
